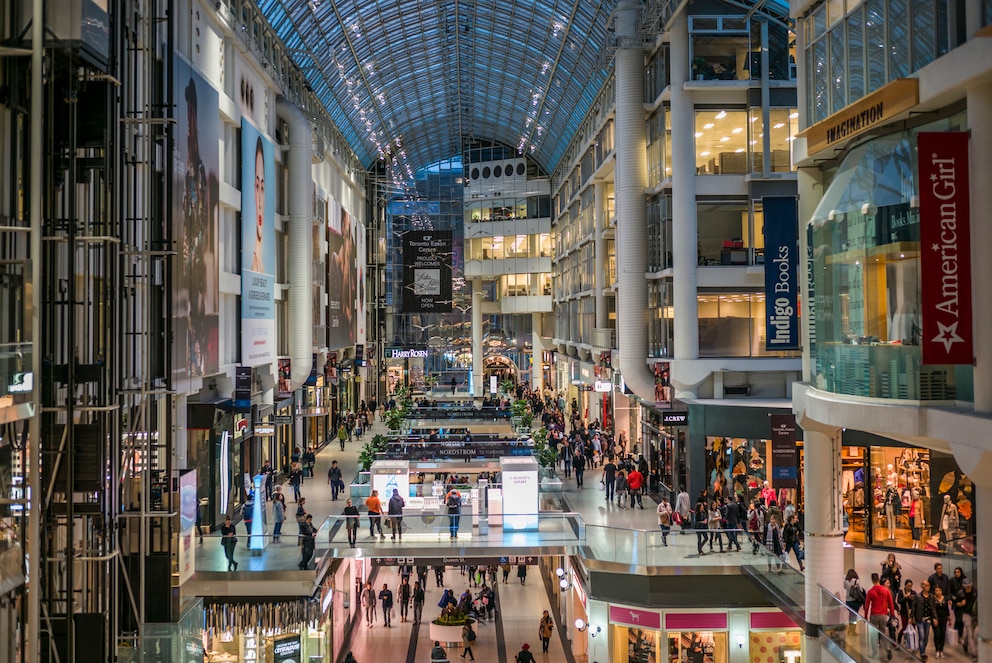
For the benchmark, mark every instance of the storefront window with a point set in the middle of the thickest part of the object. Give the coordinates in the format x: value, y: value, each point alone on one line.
x: 739, y: 466
x: 775, y: 647
x: 635, y: 645
x: 909, y: 498
x: 866, y: 243
x: 697, y: 647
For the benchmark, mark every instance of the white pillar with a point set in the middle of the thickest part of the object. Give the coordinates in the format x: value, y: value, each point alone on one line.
x: 537, y: 354
x: 823, y: 526
x: 601, y: 258
x: 684, y: 249
x: 477, y: 386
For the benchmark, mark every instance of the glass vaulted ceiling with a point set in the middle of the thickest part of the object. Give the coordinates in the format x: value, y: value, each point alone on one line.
x: 415, y: 80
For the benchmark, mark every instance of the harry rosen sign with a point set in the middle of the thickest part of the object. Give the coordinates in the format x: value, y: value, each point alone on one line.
x: 945, y: 245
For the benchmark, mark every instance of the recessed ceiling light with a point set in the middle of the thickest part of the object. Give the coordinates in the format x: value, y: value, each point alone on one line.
x: 793, y: 116
x: 779, y: 125
x: 699, y: 134
x: 708, y: 125
x: 725, y: 139
x: 704, y: 154
x: 721, y: 115
x: 739, y: 150
x: 737, y: 130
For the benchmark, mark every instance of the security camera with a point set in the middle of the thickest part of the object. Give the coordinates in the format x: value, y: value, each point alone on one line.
x: 347, y: 604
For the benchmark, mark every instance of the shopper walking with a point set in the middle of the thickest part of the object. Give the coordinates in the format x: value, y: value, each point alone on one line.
x: 579, y: 465
x: 386, y: 599
x: 635, y: 480
x: 879, y: 607
x: 664, y: 520
x: 755, y: 526
x: 854, y: 594
x: 522, y: 573
x: 405, y: 594
x: 453, y: 501
x: 546, y: 629
x: 622, y: 490
x: 229, y: 541
x: 369, y: 602
x: 439, y: 575
x: 922, y: 616
x: 418, y: 601
x: 941, y: 616
x: 700, y: 521
x: 468, y: 639
x: 352, y: 518
x: 278, y: 515
x: 964, y: 605
x: 335, y: 479
x: 374, y: 506
x: 610, y: 478
x: 309, y: 539
x: 395, y: 510
x: 524, y: 655
x: 790, y: 538
x: 506, y: 572
x: 438, y: 655
x: 248, y: 512
x: 295, y: 479
x: 714, y: 520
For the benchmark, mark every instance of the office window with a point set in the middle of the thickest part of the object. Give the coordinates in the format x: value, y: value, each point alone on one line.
x: 721, y: 142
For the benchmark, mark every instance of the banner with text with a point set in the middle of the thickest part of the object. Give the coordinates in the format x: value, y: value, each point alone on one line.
x: 258, y: 248
x: 781, y: 273
x: 945, y: 245
x: 427, y: 271
x: 342, y: 277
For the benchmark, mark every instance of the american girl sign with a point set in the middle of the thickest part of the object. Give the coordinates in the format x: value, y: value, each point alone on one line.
x: 945, y: 243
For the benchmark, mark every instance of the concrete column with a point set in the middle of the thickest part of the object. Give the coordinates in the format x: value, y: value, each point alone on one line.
x: 823, y: 528
x: 477, y: 385
x: 602, y: 315
x: 537, y: 354
x: 684, y: 250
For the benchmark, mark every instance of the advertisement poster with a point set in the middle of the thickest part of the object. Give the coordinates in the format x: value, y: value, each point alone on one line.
x: 945, y: 248
x: 196, y: 301
x: 286, y: 649
x: 662, y: 385
x: 427, y: 271
x: 781, y: 273
x: 360, y: 249
x: 285, y: 384
x: 258, y: 247
x: 342, y: 286
x: 785, y: 456
x: 188, y: 506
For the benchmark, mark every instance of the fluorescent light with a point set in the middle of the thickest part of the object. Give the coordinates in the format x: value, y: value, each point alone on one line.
x: 739, y: 150
x: 699, y: 134
x: 721, y: 115
x: 793, y: 116
x: 725, y: 139
x: 737, y: 130
x: 778, y: 126
x: 704, y: 154
x: 708, y: 125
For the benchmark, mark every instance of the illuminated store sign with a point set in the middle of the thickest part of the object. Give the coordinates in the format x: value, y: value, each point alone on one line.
x: 406, y: 353
x: 781, y: 273
x: 879, y: 107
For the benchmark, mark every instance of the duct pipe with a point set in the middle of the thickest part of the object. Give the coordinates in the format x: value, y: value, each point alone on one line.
x: 33, y: 616
x: 631, y: 180
x: 300, y: 242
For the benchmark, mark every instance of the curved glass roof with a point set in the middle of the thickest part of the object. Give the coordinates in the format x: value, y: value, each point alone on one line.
x: 415, y: 80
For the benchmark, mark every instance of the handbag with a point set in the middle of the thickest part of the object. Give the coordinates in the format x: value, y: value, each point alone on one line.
x: 676, y: 517
x: 386, y: 522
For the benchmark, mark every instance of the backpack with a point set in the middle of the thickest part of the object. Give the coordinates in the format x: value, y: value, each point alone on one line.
x: 453, y: 501
x: 470, y: 636
x: 752, y: 523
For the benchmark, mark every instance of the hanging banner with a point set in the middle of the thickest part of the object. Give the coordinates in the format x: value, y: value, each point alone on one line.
x: 427, y: 271
x: 945, y: 245
x: 188, y: 506
x: 781, y: 273
x: 258, y: 247
x: 785, y: 456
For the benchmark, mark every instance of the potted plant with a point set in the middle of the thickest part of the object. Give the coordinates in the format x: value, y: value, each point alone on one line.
x: 370, y: 449
x: 447, y: 627
x: 521, y: 413
x: 700, y: 68
x: 544, y: 452
x: 429, y: 382
x: 506, y: 387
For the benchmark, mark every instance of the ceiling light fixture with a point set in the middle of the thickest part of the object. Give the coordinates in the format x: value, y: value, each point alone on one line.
x: 708, y: 125
x: 721, y: 115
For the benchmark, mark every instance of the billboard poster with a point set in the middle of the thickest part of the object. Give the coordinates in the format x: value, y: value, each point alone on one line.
x: 285, y: 384
x: 662, y: 385
x: 360, y: 239
x: 188, y: 507
x: 945, y: 248
x: 195, y: 168
x: 781, y: 273
x: 427, y: 281
x: 342, y: 287
x: 258, y: 247
x: 784, y: 472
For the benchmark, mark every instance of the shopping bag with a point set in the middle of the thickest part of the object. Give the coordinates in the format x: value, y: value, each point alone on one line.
x: 951, y: 637
x: 602, y: 485
x: 910, y: 638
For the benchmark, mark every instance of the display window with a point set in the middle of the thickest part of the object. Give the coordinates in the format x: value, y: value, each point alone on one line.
x: 775, y: 647
x: 697, y: 647
x: 908, y: 498
x: 635, y: 645
x: 743, y: 466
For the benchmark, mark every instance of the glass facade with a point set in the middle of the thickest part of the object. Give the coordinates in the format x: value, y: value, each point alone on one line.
x: 866, y: 244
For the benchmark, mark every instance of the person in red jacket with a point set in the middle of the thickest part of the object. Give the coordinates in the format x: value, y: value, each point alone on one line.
x: 879, y: 607
x: 635, y: 481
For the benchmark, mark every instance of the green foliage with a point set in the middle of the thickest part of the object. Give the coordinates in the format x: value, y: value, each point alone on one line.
x: 394, y: 418
x: 522, y: 413
x: 507, y: 387
x: 545, y: 453
x: 366, y: 456
x: 452, y: 616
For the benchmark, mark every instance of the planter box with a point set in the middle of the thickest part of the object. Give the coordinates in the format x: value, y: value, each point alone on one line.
x: 447, y: 635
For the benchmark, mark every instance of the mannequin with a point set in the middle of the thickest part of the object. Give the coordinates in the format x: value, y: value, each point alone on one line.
x: 948, y: 521
x: 891, y: 477
x: 892, y: 509
x: 767, y: 494
x: 916, y: 520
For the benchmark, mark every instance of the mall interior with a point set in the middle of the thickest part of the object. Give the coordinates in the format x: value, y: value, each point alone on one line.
x: 698, y: 226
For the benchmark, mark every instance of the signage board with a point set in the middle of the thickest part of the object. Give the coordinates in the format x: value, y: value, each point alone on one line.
x: 602, y: 387
x: 781, y: 273
x: 444, y: 451
x: 675, y: 418
x: 242, y: 387
x: 784, y: 472
x: 405, y: 353
x: 529, y: 560
x: 360, y: 354
x: 945, y: 248
x: 427, y: 271
x: 264, y: 429
x: 258, y: 248
x: 286, y: 649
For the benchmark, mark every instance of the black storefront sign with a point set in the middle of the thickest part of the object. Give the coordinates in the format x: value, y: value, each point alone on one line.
x: 359, y: 355
x: 286, y: 649
x: 242, y: 388
x: 674, y: 418
x: 456, y: 561
x: 282, y: 419
x: 785, y: 456
x: 427, y: 271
